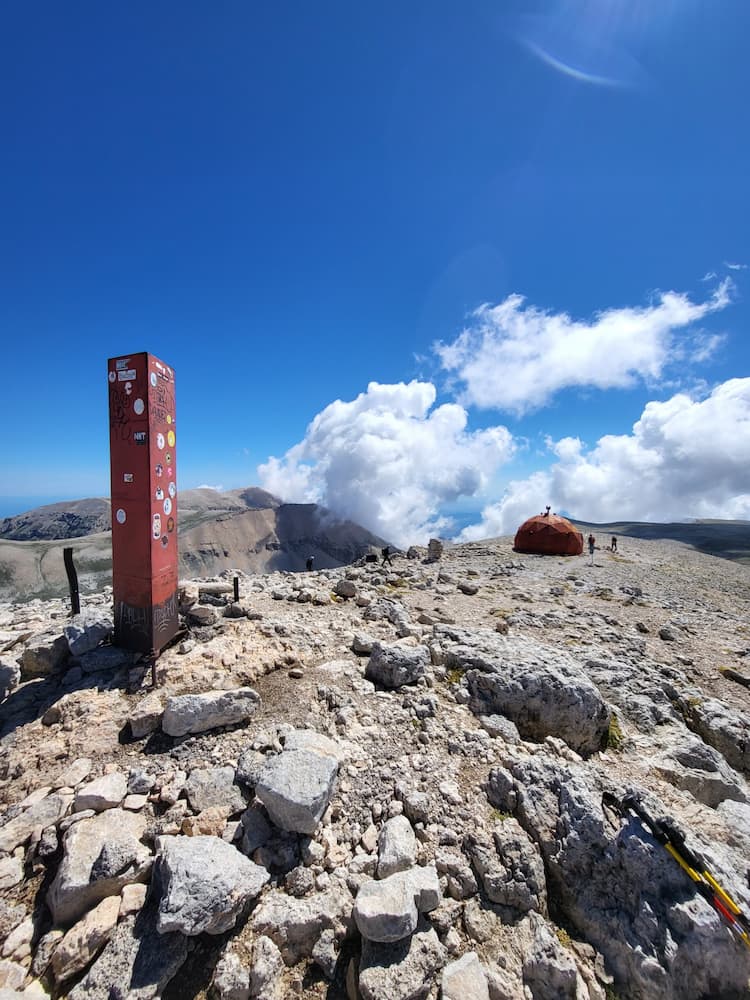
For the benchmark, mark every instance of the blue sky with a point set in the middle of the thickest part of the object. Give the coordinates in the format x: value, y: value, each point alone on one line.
x: 289, y: 203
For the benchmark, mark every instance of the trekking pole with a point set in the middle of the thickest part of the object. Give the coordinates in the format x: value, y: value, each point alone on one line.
x: 673, y: 841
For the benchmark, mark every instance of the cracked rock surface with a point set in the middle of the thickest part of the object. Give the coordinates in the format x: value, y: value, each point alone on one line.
x: 376, y: 782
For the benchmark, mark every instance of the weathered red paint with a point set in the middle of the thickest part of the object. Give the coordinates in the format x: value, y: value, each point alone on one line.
x: 549, y: 534
x: 143, y: 463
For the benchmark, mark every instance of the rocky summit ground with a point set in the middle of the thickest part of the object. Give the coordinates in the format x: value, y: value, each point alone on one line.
x: 384, y: 782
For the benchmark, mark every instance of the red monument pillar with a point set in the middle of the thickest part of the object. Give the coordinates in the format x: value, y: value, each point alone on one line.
x: 143, y: 465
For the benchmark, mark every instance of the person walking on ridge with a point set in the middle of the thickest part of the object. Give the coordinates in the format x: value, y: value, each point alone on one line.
x: 592, y: 546
x: 387, y: 555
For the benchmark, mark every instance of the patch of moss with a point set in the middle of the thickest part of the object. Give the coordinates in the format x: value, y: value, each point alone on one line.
x: 454, y: 675
x: 499, y: 817
x: 563, y: 937
x: 615, y: 737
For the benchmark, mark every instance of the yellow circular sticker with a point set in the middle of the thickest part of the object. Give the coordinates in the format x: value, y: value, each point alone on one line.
x: 170, y: 439
x: 169, y: 418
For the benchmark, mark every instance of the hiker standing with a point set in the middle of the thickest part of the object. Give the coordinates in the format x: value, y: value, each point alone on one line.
x: 309, y: 563
x: 387, y: 555
x: 614, y: 543
x: 592, y: 546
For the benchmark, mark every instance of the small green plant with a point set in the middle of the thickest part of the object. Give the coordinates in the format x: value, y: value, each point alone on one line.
x: 610, y: 993
x: 499, y: 817
x: 416, y: 723
x: 454, y: 675
x: 615, y: 736
x: 563, y: 937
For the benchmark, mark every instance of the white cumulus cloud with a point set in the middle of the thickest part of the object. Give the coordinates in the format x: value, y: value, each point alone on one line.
x: 389, y: 460
x: 685, y: 458
x: 515, y: 356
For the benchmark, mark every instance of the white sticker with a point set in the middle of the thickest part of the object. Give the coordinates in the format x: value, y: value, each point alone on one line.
x: 128, y: 387
x: 127, y: 477
x: 122, y: 363
x: 139, y: 406
x: 172, y: 489
x: 128, y: 376
x: 159, y: 493
x: 160, y: 441
x: 112, y: 376
x: 167, y: 506
x: 121, y: 516
x: 153, y: 379
x: 157, y: 525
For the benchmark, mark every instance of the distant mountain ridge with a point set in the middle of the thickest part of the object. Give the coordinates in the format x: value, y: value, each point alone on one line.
x: 247, y: 529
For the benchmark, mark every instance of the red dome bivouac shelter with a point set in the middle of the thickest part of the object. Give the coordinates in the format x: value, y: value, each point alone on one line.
x: 549, y: 535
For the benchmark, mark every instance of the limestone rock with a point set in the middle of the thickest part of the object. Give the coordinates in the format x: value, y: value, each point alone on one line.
x: 101, y: 855
x: 397, y: 847
x: 465, y: 978
x: 215, y: 786
x: 146, y: 716
x: 102, y: 793
x: 136, y: 964
x: 104, y: 658
x: 296, y: 924
x: 197, y: 713
x: 590, y: 863
x: 388, y: 909
x: 48, y: 811
x: 394, y: 666
x: 295, y: 787
x: 510, y: 868
x: 401, y: 971
x: 11, y: 872
x: 85, y: 939
x: 544, y: 692
x: 549, y: 969
x: 87, y: 631
x: 204, y: 884
x: 692, y: 765
x: 434, y: 550
x: 10, y: 675
x: 44, y: 653
x: 722, y: 728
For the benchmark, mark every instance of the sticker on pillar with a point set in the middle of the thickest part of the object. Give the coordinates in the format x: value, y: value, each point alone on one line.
x: 168, y: 457
x: 121, y: 516
x: 167, y: 506
x: 157, y: 525
x: 160, y: 442
x: 127, y: 477
x: 170, y: 524
x: 128, y: 388
x: 170, y: 439
x: 169, y: 418
x: 172, y: 490
x: 112, y: 376
x: 164, y: 541
x: 128, y: 376
x: 138, y: 407
x: 153, y: 379
x: 159, y: 469
x: 159, y: 493
x: 169, y: 471
x: 140, y: 437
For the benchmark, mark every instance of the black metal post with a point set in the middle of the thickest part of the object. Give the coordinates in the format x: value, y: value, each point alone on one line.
x: 75, y: 601
x: 236, y: 582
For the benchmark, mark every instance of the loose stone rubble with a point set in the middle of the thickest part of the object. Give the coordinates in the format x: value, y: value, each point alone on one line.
x: 382, y: 781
